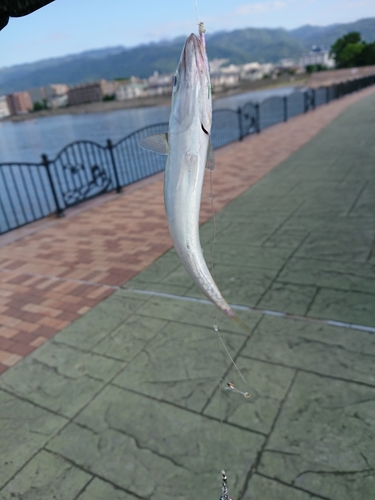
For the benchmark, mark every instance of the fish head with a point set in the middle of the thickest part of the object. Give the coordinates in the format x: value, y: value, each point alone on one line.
x: 191, y: 96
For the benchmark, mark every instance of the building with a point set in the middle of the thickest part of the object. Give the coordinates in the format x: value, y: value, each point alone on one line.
x: 215, y: 64
x: 230, y: 76
x: 4, y: 109
x: 91, y: 92
x: 255, y: 71
x: 287, y: 63
x: 130, y: 90
x: 56, y: 89
x: 317, y: 55
x: 221, y: 80
x: 19, y: 103
x: 48, y: 93
x: 87, y: 92
x: 37, y: 95
x: 160, y: 84
x: 108, y: 88
x: 226, y: 77
x: 59, y: 101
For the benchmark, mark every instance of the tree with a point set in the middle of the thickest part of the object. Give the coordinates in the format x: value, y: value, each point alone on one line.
x: 39, y: 106
x: 367, y: 56
x: 350, y: 51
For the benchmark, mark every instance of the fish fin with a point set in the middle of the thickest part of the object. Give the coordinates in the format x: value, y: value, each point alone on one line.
x: 210, y: 162
x: 157, y: 143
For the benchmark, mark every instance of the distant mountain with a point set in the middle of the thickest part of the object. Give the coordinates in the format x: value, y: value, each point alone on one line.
x: 251, y: 44
x: 327, y: 35
x: 239, y: 46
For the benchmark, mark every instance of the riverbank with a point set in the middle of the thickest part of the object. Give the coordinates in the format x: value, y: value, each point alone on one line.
x: 105, y: 106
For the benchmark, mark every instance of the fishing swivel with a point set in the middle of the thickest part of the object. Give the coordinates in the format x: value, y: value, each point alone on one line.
x: 201, y: 28
x: 230, y: 387
x: 224, y: 487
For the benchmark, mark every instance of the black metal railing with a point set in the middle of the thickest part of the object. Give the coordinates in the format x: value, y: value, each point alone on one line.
x: 85, y: 169
x: 25, y: 194
x: 127, y: 152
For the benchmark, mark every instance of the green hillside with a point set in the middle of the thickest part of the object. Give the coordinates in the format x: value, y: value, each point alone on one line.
x: 327, y: 35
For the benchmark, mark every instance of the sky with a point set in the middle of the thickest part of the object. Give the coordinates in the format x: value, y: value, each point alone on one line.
x: 72, y: 26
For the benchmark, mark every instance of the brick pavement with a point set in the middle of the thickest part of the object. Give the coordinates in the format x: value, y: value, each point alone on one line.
x: 54, y: 275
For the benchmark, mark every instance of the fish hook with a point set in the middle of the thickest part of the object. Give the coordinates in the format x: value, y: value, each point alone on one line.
x: 230, y: 387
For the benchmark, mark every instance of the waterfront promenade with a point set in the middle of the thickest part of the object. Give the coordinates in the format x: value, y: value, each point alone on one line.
x: 124, y: 403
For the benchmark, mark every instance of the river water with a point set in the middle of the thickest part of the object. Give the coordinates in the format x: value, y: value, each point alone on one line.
x: 24, y: 141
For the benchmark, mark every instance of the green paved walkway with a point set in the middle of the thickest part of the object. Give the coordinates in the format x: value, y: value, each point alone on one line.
x: 124, y: 403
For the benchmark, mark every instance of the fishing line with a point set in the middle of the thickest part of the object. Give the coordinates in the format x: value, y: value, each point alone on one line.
x: 230, y: 357
x: 215, y: 321
x: 216, y: 328
x: 196, y: 9
x: 214, y: 237
x: 224, y: 489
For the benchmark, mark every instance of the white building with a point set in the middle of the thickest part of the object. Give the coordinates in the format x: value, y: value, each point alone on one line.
x: 216, y: 64
x: 131, y: 89
x: 4, y: 110
x: 59, y: 101
x: 287, y: 63
x: 317, y: 55
x: 255, y: 71
x: 48, y: 92
x: 223, y: 77
x: 229, y: 76
x: 159, y: 84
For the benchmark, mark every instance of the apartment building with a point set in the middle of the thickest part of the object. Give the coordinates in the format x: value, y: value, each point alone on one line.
x: 4, y: 109
x: 317, y: 55
x: 19, y: 103
x: 87, y: 92
x: 48, y: 92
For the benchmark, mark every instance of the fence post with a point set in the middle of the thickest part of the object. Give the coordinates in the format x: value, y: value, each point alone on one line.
x: 257, y: 118
x: 110, y: 147
x: 327, y: 95
x: 285, y: 101
x: 313, y: 100
x: 46, y: 163
x: 306, y: 94
x: 240, y: 127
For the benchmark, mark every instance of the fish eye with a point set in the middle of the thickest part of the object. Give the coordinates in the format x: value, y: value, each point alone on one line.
x: 175, y: 82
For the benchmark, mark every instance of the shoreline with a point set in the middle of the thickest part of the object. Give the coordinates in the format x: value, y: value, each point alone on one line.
x: 105, y: 106
x: 315, y: 80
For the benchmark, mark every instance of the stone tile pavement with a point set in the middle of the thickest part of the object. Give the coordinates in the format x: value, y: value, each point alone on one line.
x: 54, y: 271
x: 125, y: 401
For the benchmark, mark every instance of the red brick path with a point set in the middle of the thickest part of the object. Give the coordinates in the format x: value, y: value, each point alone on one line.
x: 66, y: 266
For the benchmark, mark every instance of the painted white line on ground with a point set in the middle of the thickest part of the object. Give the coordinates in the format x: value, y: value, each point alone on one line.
x: 266, y: 312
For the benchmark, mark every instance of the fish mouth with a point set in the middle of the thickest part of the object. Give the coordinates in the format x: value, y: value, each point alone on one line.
x: 191, y: 88
x: 193, y: 58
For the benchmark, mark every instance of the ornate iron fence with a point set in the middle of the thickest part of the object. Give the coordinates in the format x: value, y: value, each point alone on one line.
x: 84, y: 169
x: 25, y: 194
x: 126, y: 153
x: 226, y: 127
x: 271, y: 111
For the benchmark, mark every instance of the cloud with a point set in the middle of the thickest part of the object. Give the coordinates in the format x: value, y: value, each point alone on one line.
x: 343, y: 11
x: 354, y: 5
x: 260, y: 7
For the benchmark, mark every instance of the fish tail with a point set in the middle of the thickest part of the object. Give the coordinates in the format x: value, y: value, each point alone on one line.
x: 232, y: 315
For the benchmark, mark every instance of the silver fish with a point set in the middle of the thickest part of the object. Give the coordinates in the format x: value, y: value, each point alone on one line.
x: 188, y: 149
